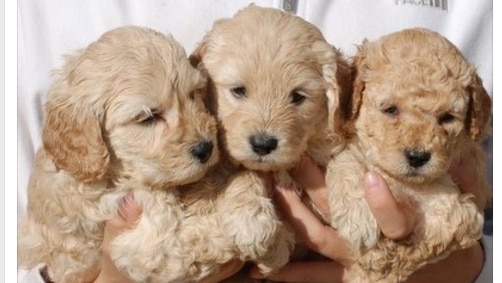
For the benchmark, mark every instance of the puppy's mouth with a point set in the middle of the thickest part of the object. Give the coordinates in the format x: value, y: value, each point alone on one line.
x: 261, y: 163
x: 268, y: 163
x: 413, y: 173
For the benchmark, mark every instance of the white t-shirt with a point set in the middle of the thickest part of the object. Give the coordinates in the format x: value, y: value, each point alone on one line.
x: 48, y: 29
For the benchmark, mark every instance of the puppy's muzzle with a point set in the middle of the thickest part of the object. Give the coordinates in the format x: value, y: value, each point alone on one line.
x: 417, y: 158
x: 263, y: 144
x: 202, y: 151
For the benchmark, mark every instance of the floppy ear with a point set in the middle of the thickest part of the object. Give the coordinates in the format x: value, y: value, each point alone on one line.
x: 344, y: 79
x: 336, y: 71
x: 358, y: 67
x: 196, y: 57
x: 72, y: 135
x: 479, y: 109
x: 200, y: 51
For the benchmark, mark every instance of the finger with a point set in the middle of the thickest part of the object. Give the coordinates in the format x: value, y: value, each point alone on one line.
x: 129, y: 212
x: 129, y: 209
x: 395, y: 221
x: 311, y: 178
x: 313, y: 271
x: 317, y: 236
x: 227, y: 270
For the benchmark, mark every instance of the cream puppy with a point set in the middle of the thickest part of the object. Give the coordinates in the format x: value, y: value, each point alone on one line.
x: 124, y: 115
x: 275, y: 85
x: 417, y: 106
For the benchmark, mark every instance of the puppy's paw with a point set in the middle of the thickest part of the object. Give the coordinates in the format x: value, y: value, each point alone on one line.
x: 278, y: 255
x: 470, y: 221
x: 250, y: 218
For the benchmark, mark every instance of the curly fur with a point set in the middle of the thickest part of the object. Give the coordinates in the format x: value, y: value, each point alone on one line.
x: 126, y: 114
x: 417, y: 105
x: 291, y: 78
x: 273, y: 79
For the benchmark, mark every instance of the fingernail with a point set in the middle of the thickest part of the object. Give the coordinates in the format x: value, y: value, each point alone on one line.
x: 128, y: 207
x: 129, y: 198
x: 280, y: 188
x: 371, y: 180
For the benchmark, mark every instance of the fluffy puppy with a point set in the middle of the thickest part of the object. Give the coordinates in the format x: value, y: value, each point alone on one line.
x: 274, y: 86
x: 273, y: 78
x: 126, y: 114
x: 417, y: 106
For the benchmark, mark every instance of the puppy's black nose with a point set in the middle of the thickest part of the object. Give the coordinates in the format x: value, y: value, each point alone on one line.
x: 417, y: 158
x: 202, y: 151
x: 263, y: 144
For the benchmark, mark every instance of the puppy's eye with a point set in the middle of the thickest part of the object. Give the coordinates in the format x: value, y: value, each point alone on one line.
x: 297, y: 98
x: 391, y: 111
x: 148, y: 118
x: 238, y: 92
x: 446, y: 118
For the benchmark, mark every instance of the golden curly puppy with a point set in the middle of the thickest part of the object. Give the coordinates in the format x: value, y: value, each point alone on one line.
x: 274, y: 86
x: 126, y: 114
x: 417, y: 106
x: 273, y: 78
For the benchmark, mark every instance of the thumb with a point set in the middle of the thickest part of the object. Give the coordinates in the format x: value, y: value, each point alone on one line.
x: 396, y: 221
x: 129, y: 212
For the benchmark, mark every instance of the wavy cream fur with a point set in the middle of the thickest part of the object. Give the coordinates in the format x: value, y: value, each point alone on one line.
x: 99, y: 145
x: 272, y: 54
x: 424, y: 77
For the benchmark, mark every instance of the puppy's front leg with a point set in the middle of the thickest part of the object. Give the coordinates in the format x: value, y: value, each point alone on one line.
x: 253, y: 223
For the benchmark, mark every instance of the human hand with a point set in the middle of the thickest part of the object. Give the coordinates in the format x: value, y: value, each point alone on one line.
x: 396, y: 222
x: 129, y: 214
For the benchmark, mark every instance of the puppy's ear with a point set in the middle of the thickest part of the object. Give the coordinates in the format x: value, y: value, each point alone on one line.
x: 336, y: 71
x: 201, y: 50
x: 344, y: 79
x: 196, y: 57
x: 196, y: 61
x: 72, y: 135
x: 358, y: 68
x: 479, y: 109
